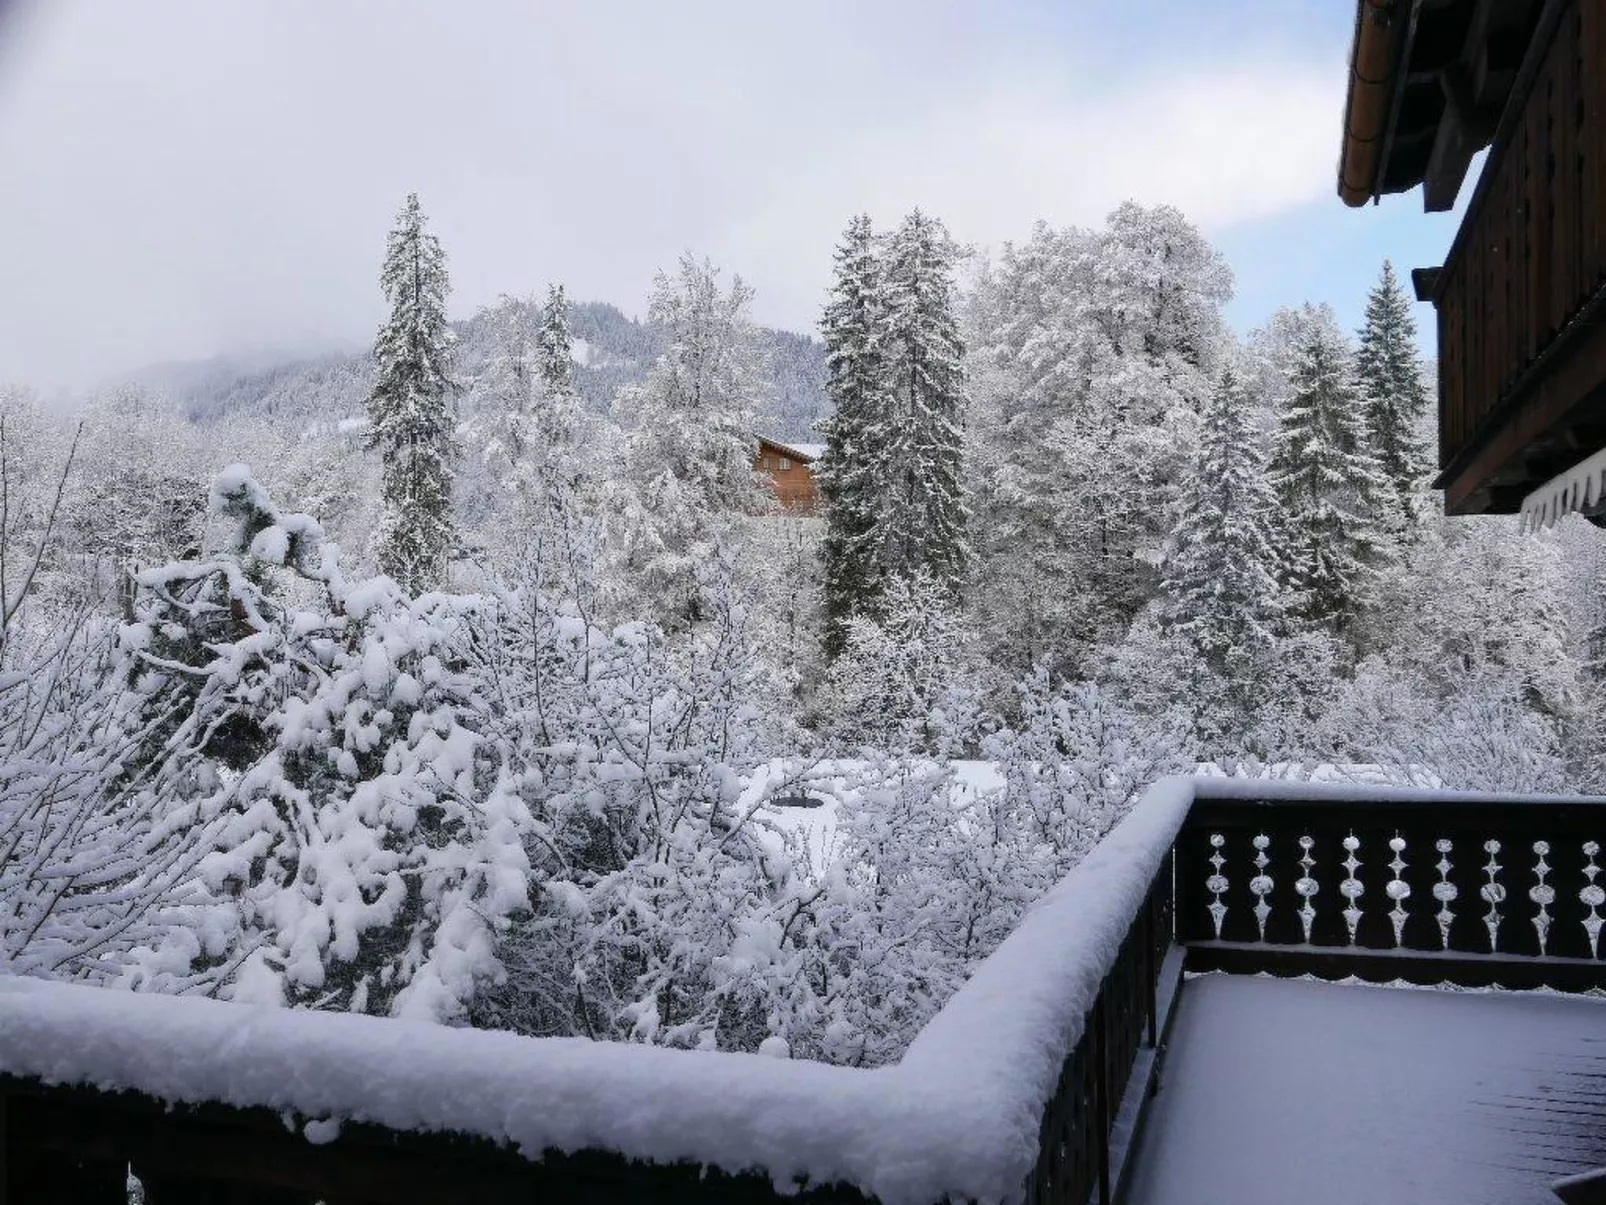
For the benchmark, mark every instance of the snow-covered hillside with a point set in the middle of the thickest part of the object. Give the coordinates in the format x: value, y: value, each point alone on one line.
x: 612, y: 351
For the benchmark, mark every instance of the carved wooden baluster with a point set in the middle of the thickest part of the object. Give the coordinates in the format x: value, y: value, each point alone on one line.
x: 1352, y: 888
x: 1307, y: 887
x: 1217, y: 882
x: 1592, y: 896
x: 1261, y: 884
x: 1542, y: 893
x: 1398, y: 889
x: 1445, y: 891
x: 1493, y: 894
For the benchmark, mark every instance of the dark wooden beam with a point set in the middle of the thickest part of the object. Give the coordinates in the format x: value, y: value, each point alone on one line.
x: 1464, y: 130
x: 207, y: 1153
x: 1586, y: 1189
x: 1425, y: 282
x: 1564, y: 388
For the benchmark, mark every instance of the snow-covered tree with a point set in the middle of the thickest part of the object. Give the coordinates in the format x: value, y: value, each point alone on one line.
x: 137, y: 499
x: 853, y: 473
x: 1327, y: 480
x: 1475, y: 597
x: 1219, y: 593
x: 97, y: 848
x: 1094, y: 352
x: 366, y: 850
x: 555, y: 345
x: 1075, y: 763
x: 1388, y: 371
x: 410, y: 410
x: 1476, y: 732
x: 690, y: 443
x: 924, y: 522
x: 896, y: 666
x: 528, y: 419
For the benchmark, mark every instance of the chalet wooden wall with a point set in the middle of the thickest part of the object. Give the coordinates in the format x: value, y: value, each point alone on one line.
x: 1522, y: 352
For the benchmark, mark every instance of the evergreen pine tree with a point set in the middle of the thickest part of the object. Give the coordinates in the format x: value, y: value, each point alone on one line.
x: 554, y: 419
x: 410, y: 410
x: 1219, y: 593
x: 555, y: 344
x: 850, y: 472
x: 1390, y: 379
x: 1327, y: 480
x: 925, y: 519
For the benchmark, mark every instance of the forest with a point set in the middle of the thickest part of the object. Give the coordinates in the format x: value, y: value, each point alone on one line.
x: 479, y: 679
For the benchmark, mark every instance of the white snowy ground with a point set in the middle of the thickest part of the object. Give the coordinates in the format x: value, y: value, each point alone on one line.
x: 1277, y: 1091
x: 814, y: 829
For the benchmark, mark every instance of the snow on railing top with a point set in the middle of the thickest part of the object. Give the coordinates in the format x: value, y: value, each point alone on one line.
x: 959, y: 1116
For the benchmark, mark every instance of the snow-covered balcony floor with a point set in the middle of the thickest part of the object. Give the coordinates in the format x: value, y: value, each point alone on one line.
x: 1280, y: 1090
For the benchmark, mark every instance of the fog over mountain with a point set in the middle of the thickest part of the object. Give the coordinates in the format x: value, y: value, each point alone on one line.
x: 329, y: 380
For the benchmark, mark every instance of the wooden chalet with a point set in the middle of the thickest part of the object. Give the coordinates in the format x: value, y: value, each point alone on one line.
x: 1520, y: 296
x: 790, y: 469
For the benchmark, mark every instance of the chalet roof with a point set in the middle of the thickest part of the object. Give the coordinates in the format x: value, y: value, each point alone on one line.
x: 1429, y: 81
x: 802, y: 453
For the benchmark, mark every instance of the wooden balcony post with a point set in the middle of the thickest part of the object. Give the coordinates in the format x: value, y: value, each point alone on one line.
x: 1102, y: 1108
x: 1151, y: 971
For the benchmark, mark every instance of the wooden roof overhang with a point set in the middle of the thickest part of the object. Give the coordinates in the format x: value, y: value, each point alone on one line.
x: 801, y: 455
x: 1521, y: 295
x: 1429, y: 82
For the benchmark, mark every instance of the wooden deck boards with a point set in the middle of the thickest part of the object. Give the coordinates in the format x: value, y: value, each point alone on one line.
x: 1278, y: 1091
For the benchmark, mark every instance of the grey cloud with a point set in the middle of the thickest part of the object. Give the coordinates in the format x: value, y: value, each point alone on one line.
x: 182, y: 177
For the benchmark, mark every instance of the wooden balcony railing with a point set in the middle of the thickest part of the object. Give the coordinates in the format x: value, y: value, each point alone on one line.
x: 1522, y: 349
x: 1207, y: 874
x: 1472, y: 891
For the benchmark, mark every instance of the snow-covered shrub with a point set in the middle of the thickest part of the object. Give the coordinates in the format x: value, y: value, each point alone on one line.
x: 1479, y: 734
x: 658, y: 899
x: 934, y: 866
x: 1077, y: 761
x: 365, y: 849
x: 90, y: 863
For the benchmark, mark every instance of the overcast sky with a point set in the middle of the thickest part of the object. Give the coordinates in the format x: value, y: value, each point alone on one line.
x: 180, y: 178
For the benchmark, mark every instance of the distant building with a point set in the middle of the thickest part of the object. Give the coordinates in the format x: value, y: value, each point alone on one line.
x: 790, y: 468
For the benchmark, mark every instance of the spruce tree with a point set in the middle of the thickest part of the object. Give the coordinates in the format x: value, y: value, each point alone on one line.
x: 1390, y: 378
x: 555, y: 345
x: 553, y: 416
x: 1328, y: 482
x: 925, y: 520
x: 850, y: 472
x: 410, y: 411
x: 1219, y: 592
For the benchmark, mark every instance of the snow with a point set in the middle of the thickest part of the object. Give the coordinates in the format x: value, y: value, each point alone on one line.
x: 959, y: 1115
x: 812, y: 831
x: 1365, y: 1093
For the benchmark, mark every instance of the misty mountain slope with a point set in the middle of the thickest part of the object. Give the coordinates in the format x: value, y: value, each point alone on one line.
x: 612, y: 352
